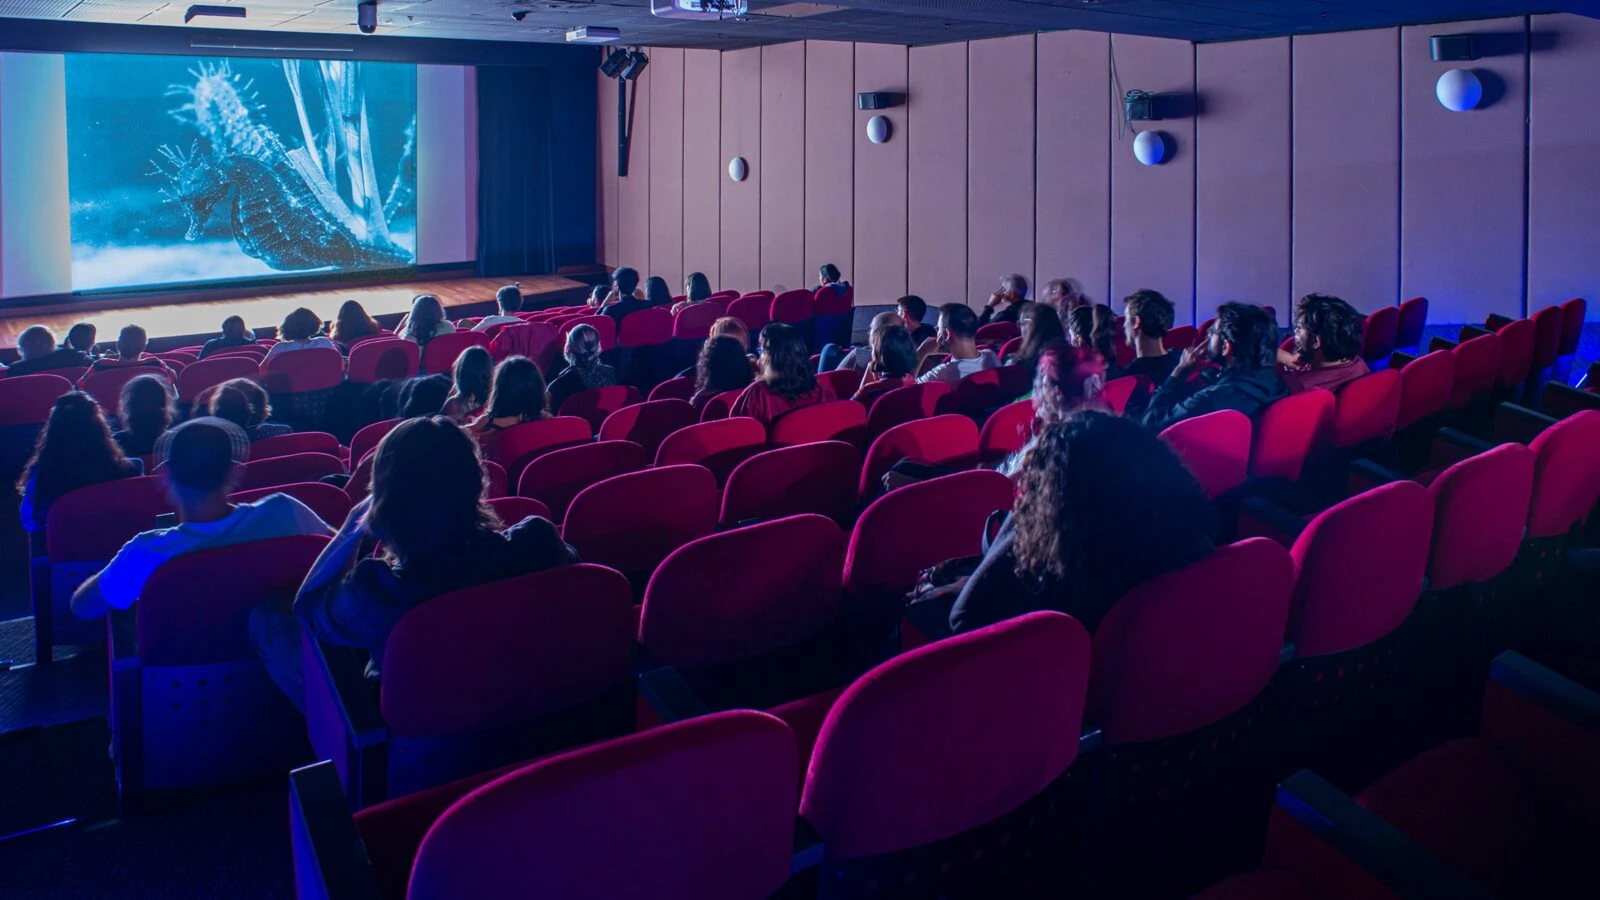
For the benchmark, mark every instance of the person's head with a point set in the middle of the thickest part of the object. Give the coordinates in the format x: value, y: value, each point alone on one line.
x: 1105, y: 503
x: 656, y: 292
x: 883, y: 320
x: 1146, y: 314
x: 728, y: 326
x: 237, y: 401
x: 1015, y: 286
x: 74, y: 449
x: 697, y: 286
x: 353, y: 322
x: 509, y: 299
x: 893, y: 353
x: 131, y: 341
x: 423, y: 322
x: 81, y: 337
x: 626, y: 281
x: 597, y: 294
x: 473, y: 369
x: 1243, y: 337
x: 582, y: 350
x: 202, y: 460
x: 1061, y: 293
x: 911, y: 308
x: 518, y: 391
x: 1326, y: 329
x: 1065, y: 379
x: 1041, y: 328
x: 423, y: 395
x: 233, y: 327
x: 829, y: 274
x: 300, y: 325
x: 785, y: 362
x: 427, y: 494
x: 35, y: 342
x: 145, y: 406
x: 722, y: 366
x: 1094, y: 328
x: 958, y: 326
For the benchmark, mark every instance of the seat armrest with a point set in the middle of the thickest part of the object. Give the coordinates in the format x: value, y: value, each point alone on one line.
x: 330, y: 859
x: 1451, y: 446
x: 1543, y: 687
x: 1398, y: 359
x: 1468, y: 332
x: 1365, y: 474
x: 1561, y: 401
x: 670, y: 696
x: 1549, y: 727
x: 1260, y: 517
x: 1496, y: 321
x: 122, y: 633
x: 1440, y: 343
x: 1514, y: 424
x: 343, y: 673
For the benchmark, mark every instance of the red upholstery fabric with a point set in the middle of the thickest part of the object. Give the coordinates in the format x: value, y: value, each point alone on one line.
x: 1378, y: 333
x: 212, y: 371
x: 289, y: 469
x: 836, y: 420
x: 439, y: 356
x: 1188, y: 648
x: 942, y: 440
x: 360, y: 483
x: 1215, y: 447
x: 1425, y: 387
x: 1292, y: 847
x: 744, y: 592
x: 709, y: 807
x: 383, y: 359
x: 1516, y: 352
x: 560, y: 475
x: 606, y: 325
x: 754, y: 310
x: 1267, y: 884
x: 1287, y: 431
x: 27, y: 399
x: 299, y: 442
x: 842, y: 382
x: 1477, y: 364
x: 829, y: 302
x: 595, y: 404
x: 806, y: 478
x: 693, y: 323
x: 1555, y: 753
x: 674, y: 389
x: 792, y: 307
x: 975, y: 395
x: 538, y: 341
x: 1118, y: 391
x: 1413, y: 318
x: 919, y: 525
x: 906, y: 755
x: 805, y: 717
x: 1366, y: 409
x: 998, y: 333
x: 1566, y: 476
x: 366, y: 440
x: 1181, y: 337
x: 496, y: 482
x: 917, y: 401
x: 1359, y: 567
x: 331, y: 504
x: 647, y: 424
x: 719, y: 406
x: 179, y: 625
x: 631, y: 522
x: 316, y: 369
x: 1005, y: 432
x: 718, y: 446
x: 1572, y: 316
x: 512, y: 510
x: 105, y: 386
x: 519, y: 445
x: 257, y: 350
x: 507, y: 652
x: 1480, y: 507
x: 645, y: 328
x: 1546, y: 338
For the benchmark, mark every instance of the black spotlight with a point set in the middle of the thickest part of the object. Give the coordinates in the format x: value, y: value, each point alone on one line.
x: 636, y: 63
x: 614, y: 61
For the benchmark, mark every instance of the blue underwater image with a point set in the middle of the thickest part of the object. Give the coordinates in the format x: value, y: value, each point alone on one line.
x: 187, y: 170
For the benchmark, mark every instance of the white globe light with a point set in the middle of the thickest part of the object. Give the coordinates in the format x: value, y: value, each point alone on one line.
x: 738, y: 169
x: 878, y: 129
x: 1150, y: 148
x: 1458, y: 90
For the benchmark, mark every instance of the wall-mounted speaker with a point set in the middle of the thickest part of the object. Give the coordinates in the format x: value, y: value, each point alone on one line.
x: 879, y: 100
x: 1451, y: 47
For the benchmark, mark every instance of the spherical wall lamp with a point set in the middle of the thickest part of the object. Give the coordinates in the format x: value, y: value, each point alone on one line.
x: 879, y: 129
x: 738, y: 169
x: 1459, y: 90
x: 1150, y: 148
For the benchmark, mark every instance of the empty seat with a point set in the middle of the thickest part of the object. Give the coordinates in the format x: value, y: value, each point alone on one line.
x: 331, y: 504
x: 595, y: 404
x: 1572, y: 317
x: 754, y: 310
x: 383, y: 359
x: 1287, y: 432
x: 1365, y: 410
x: 647, y: 424
x: 917, y: 526
x: 632, y: 521
x: 1547, y: 326
x: 301, y: 384
x: 997, y: 333
x: 556, y: 477
x: 366, y: 440
x: 295, y: 467
x: 806, y: 478
x: 792, y: 308
x: 674, y: 389
x: 719, y: 406
x: 1118, y: 391
x: 837, y: 420
x: 1425, y: 388
x: 105, y: 385
x: 976, y: 395
x: 1566, y: 477
x: 833, y: 311
x: 1477, y: 368
x: 917, y: 401
x: 693, y: 323
x: 948, y: 441
x: 1516, y: 355
x: 212, y: 371
x: 645, y: 328
x: 842, y: 383
x: 1413, y: 317
x: 1215, y: 447
x: 25, y: 404
x: 519, y: 445
x: 717, y: 446
x: 512, y: 510
x: 439, y: 355
x: 1378, y: 334
x: 1181, y: 337
x: 1005, y: 432
x: 298, y: 442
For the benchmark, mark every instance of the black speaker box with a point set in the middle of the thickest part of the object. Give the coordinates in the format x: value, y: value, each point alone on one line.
x: 1451, y: 47
x: 879, y: 100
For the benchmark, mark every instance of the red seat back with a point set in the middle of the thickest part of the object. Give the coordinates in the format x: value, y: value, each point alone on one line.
x: 1215, y: 447
x: 741, y: 593
x: 1546, y: 338
x: 560, y: 475
x: 384, y: 359
x: 366, y: 440
x: 1480, y: 509
x: 1516, y: 352
x: 1366, y: 409
x: 606, y: 325
x: 105, y: 385
x: 212, y: 371
x: 1413, y: 317
x: 754, y: 310
x: 290, y: 469
x: 909, y: 529
x: 439, y: 356
x: 693, y: 323
x: 496, y: 482
x: 1566, y: 477
x: 997, y: 333
x: 836, y: 420
x: 825, y: 301
x: 792, y: 307
x: 537, y: 341
x: 519, y: 445
x: 806, y: 478
x: 719, y: 406
x: 842, y: 383
x: 674, y: 389
x: 92, y: 523
x: 27, y: 399
x: 257, y: 350
x: 301, y: 371
x: 1477, y: 367
x: 1181, y: 337
x: 507, y: 651
x: 1286, y: 432
x: 719, y: 446
x: 1572, y: 316
x: 1378, y: 333
x: 631, y: 522
x: 1223, y: 616
x: 950, y: 441
x: 645, y: 328
x: 512, y: 510
x: 1005, y: 432
x: 893, y: 766
x: 917, y: 401
x: 299, y: 442
x: 1359, y: 567
x: 1425, y: 387
x: 1118, y: 391
x: 595, y: 404
x: 976, y: 394
x: 331, y: 504
x: 647, y: 424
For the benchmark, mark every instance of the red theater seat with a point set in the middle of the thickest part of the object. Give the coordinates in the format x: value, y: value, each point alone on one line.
x: 290, y: 469
x: 693, y: 323
x: 917, y: 526
x: 1005, y: 432
x: 299, y: 442
x: 717, y: 446
x: 842, y: 382
x: 331, y: 504
x: 631, y: 522
x: 105, y: 385
x: 948, y: 441
x: 560, y: 475
x: 212, y: 371
x: 606, y: 325
x: 793, y: 308
x: 595, y: 404
x: 366, y: 440
x: 917, y: 401
x: 383, y: 359
x: 647, y: 424
x: 519, y: 445
x: 1215, y: 447
x: 806, y: 478
x: 838, y: 420
x: 439, y: 356
x: 674, y: 389
x: 1378, y: 334
x: 645, y: 328
x: 1413, y: 317
x: 1365, y: 410
x: 754, y: 310
x: 1287, y: 433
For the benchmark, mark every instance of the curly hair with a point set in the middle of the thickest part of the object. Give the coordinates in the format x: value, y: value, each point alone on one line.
x: 785, y: 364
x: 1332, y: 322
x: 1065, y: 378
x: 300, y: 325
x: 722, y: 366
x: 1253, y: 334
x: 1094, y: 327
x: 74, y: 449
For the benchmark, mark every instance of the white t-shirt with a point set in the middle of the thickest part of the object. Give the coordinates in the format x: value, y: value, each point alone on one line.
x: 953, y: 370
x: 491, y: 321
x: 317, y: 343
x: 275, y: 516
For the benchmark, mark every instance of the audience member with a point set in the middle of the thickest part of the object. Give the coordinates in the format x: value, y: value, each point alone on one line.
x: 299, y: 331
x: 722, y: 367
x: 509, y: 301
x: 656, y: 292
x: 829, y: 276
x: 1243, y: 343
x: 517, y: 396
x: 696, y: 289
x: 1065, y: 380
x: 353, y: 325
x: 727, y: 326
x: 74, y: 450
x: 425, y: 321
x: 1005, y: 303
x: 245, y: 403
x: 624, y: 295
x: 893, y: 363
x: 131, y: 343
x: 597, y: 295
x: 1093, y: 328
x: 202, y: 460
x: 80, y: 337
x: 1041, y: 328
x: 584, y: 369
x: 912, y: 310
x: 1327, y: 345
x: 423, y: 395
x: 37, y: 347
x: 1146, y: 318
x: 145, y: 409
x: 786, y: 383
x: 1063, y: 295
x: 957, y: 336
x: 855, y: 358
x: 469, y: 390
x: 428, y: 511
x: 234, y: 334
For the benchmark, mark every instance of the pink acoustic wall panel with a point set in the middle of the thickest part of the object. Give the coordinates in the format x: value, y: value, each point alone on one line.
x: 1072, y: 162
x: 741, y: 201
x: 610, y: 250
x: 704, y: 169
x: 936, y: 232
x: 830, y: 155
x: 1152, y: 207
x: 666, y: 166
x: 633, y: 189
x: 1564, y: 162
x: 880, y: 181
x: 1346, y: 111
x: 1242, y: 174
x: 783, y: 158
x: 1461, y: 177
x: 1000, y: 113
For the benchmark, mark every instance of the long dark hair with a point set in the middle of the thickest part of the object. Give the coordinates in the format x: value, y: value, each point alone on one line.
x: 697, y: 286
x: 1044, y: 329
x: 353, y: 322
x: 427, y: 495
x: 145, y: 408
x: 518, y: 391
x: 656, y: 292
x: 426, y: 314
x: 473, y: 369
x: 785, y: 364
x: 1095, y: 327
x: 74, y: 449
x: 722, y: 366
x: 893, y: 353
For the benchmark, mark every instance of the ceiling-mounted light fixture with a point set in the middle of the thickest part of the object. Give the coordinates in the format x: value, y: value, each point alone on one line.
x: 590, y: 34
x: 367, y: 16
x: 612, y: 65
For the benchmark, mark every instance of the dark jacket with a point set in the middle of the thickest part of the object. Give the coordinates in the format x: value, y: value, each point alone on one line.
x: 620, y: 309
x: 1152, y: 372
x: 1248, y: 391
x: 58, y: 359
x: 1005, y: 312
x: 223, y: 343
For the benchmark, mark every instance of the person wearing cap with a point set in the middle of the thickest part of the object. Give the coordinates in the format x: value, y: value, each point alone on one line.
x: 201, y: 462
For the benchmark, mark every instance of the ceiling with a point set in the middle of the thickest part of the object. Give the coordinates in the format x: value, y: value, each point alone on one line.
x: 773, y: 21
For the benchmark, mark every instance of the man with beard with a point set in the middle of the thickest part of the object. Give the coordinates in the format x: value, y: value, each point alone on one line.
x: 1327, y: 345
x: 1243, y: 343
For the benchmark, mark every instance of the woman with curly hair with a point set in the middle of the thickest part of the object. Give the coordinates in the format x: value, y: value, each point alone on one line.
x: 354, y: 325
x: 786, y: 383
x: 722, y: 367
x: 74, y: 450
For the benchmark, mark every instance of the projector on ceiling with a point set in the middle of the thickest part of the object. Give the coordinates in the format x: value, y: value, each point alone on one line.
x: 699, y: 9
x: 592, y: 34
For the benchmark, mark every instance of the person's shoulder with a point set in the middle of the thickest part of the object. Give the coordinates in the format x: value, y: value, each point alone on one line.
x: 281, y: 507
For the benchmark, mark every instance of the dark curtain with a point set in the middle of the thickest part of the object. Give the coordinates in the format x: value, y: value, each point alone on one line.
x: 536, y: 169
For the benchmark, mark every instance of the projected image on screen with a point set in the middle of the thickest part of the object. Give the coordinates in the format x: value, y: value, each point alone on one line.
x: 190, y: 169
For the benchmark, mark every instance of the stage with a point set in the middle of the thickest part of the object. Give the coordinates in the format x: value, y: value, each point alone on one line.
x: 176, y: 324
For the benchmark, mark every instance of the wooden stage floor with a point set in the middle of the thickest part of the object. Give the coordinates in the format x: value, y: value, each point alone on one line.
x: 383, y: 300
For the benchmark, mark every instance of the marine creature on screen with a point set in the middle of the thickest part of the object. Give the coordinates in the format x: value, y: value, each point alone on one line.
x: 249, y: 168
